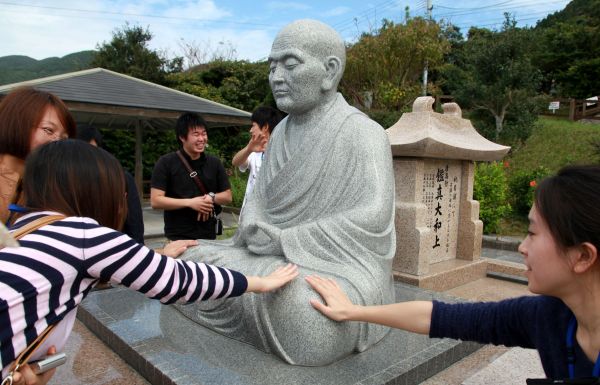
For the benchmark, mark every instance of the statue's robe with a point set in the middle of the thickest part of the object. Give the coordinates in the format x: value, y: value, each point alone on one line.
x: 327, y: 206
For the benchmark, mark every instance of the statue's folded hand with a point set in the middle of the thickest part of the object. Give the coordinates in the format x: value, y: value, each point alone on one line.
x: 264, y: 238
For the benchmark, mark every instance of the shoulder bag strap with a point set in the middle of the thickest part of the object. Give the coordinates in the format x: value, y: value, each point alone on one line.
x: 27, y: 353
x: 193, y: 174
x: 34, y: 225
x: 32, y: 347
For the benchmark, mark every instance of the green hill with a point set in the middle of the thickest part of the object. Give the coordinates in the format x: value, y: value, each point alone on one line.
x: 555, y: 143
x: 569, y: 50
x: 17, y: 68
x: 585, y: 12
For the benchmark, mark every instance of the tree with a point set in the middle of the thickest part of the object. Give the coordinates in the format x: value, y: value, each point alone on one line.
x: 495, y: 73
x: 568, y: 51
x: 389, y: 62
x: 241, y: 84
x: 198, y: 53
x: 128, y: 53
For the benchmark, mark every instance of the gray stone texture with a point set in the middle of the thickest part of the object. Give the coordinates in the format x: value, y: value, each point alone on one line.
x: 428, y: 134
x: 168, y: 348
x: 437, y: 220
x: 324, y: 200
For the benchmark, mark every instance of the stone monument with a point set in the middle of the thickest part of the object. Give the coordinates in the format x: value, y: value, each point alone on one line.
x: 438, y: 228
x: 324, y: 200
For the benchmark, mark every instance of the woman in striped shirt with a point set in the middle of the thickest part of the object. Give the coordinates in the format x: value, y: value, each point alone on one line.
x: 44, y: 280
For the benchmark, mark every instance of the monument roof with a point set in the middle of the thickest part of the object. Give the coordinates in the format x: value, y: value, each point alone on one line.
x: 429, y: 134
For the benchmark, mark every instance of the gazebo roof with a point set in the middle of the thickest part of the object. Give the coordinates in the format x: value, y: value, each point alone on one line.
x: 106, y: 98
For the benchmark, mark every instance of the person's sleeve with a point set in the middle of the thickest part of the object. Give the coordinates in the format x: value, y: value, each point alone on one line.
x: 110, y: 255
x: 222, y: 178
x: 160, y: 177
x: 244, y: 166
x: 506, y: 322
x: 134, y: 223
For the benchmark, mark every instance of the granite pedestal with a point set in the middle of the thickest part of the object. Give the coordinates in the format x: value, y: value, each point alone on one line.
x: 158, y: 342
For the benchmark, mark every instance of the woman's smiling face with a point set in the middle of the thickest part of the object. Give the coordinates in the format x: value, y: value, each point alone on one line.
x: 49, y: 129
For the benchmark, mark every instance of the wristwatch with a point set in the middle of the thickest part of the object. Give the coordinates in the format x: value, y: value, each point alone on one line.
x: 212, y: 195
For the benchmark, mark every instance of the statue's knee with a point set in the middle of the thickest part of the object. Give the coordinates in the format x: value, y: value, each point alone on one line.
x: 303, y: 335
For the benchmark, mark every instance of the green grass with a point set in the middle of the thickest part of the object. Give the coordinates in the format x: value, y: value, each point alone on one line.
x: 513, y: 225
x: 227, y: 233
x: 555, y: 143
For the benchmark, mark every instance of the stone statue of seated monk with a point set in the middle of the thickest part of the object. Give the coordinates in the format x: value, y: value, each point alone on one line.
x: 324, y: 200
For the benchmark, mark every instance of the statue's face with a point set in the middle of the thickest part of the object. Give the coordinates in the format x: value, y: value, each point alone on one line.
x: 296, y: 77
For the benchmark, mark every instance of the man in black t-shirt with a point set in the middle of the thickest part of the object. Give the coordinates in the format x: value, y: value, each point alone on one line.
x: 188, y: 212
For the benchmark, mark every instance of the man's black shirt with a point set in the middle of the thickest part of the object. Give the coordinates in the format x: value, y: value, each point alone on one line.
x: 170, y: 176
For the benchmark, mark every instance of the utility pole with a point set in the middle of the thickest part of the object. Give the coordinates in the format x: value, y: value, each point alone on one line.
x: 429, y: 8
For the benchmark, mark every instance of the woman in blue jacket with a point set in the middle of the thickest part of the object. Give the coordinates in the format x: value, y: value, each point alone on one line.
x: 561, y: 255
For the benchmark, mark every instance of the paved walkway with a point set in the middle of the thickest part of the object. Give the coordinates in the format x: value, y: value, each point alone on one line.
x: 91, y: 362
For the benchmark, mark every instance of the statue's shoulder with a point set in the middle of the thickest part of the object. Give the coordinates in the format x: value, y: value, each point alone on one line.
x: 358, y: 123
x: 358, y: 119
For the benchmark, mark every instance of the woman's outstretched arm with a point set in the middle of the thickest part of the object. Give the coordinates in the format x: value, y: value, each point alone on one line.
x: 278, y: 278
x: 413, y: 316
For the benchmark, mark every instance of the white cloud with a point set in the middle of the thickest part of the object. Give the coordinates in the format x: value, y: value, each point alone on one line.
x: 200, y: 9
x: 43, y: 29
x: 288, y: 6
x: 337, y: 11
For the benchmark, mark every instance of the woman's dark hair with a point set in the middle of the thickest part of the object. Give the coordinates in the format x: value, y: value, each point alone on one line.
x: 88, y: 133
x: 568, y: 202
x: 76, y: 179
x: 185, y: 122
x: 21, y: 112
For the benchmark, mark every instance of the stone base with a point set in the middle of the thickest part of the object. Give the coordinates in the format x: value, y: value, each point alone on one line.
x: 506, y: 267
x: 506, y: 270
x: 167, y: 348
x: 446, y: 275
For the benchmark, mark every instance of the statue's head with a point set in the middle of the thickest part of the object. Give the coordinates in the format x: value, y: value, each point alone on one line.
x: 307, y: 61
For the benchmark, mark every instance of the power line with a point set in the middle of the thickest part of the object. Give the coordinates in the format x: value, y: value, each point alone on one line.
x: 220, y: 21
x: 469, y: 11
x: 365, y: 14
x: 476, y: 8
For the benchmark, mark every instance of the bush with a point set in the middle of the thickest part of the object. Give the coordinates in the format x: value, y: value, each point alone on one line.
x: 385, y: 118
x: 522, y: 188
x: 238, y: 183
x: 490, y: 189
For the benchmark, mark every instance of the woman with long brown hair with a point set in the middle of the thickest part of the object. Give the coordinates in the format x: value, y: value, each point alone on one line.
x: 44, y: 280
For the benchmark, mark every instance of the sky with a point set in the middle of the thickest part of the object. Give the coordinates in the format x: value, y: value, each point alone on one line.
x: 235, y: 29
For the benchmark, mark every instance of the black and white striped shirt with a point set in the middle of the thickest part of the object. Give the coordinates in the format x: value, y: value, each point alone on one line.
x: 58, y: 264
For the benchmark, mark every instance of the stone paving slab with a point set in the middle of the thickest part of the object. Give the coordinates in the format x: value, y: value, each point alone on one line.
x: 91, y: 362
x: 167, y: 348
x: 502, y: 255
x: 513, y: 367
